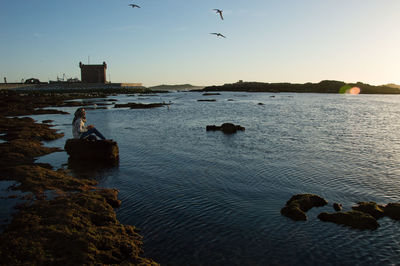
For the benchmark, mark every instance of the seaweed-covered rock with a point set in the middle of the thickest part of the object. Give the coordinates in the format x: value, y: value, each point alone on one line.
x: 105, y: 151
x: 22, y: 151
x: 392, y: 210
x: 354, y: 219
x: 72, y: 229
x: 371, y: 208
x: 299, y: 204
x: 36, y: 179
x: 294, y: 212
x: 227, y: 128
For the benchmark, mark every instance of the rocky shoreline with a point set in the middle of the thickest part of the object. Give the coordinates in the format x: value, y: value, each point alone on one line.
x: 77, y: 224
x: 362, y: 216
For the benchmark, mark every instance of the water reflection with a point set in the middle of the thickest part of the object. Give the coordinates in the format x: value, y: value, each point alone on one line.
x: 91, y: 169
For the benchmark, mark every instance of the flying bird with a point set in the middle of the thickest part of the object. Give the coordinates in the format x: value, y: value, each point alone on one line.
x: 133, y: 6
x: 218, y: 34
x: 219, y: 11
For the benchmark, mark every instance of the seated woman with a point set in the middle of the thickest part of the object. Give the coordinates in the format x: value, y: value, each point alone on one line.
x: 80, y: 130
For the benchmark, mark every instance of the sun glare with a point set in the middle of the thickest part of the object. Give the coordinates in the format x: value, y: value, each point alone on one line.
x: 354, y: 90
x: 350, y: 90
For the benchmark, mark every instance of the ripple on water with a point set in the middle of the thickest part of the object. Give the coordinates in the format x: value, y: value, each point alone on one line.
x: 211, y: 198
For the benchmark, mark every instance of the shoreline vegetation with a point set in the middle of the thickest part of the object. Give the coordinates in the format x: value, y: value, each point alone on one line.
x: 325, y: 86
x: 63, y: 219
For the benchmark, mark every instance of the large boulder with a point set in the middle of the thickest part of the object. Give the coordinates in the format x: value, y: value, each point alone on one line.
x: 354, y: 219
x: 299, y: 204
x: 227, y: 128
x: 105, y: 151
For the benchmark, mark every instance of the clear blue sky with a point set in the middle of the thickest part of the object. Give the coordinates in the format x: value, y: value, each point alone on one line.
x: 169, y: 41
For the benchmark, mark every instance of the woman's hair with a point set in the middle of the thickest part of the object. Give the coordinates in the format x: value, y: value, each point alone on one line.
x: 79, y: 113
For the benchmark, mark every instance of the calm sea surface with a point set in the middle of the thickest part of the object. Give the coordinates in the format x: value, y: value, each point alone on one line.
x: 206, y: 198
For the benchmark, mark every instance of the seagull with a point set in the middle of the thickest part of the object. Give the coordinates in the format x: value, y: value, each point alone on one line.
x: 219, y: 11
x: 218, y: 34
x: 133, y: 6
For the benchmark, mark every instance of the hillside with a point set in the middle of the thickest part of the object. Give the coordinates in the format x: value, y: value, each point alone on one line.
x: 325, y: 86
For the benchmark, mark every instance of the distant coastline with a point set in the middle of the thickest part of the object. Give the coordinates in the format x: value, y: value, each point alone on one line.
x: 179, y: 87
x: 325, y: 86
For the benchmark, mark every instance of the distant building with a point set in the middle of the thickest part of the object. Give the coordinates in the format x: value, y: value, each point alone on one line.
x: 93, y: 73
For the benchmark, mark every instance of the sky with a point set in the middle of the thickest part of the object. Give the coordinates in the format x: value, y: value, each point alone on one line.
x: 169, y: 41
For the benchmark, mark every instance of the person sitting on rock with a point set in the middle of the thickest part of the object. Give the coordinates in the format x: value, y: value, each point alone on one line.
x: 80, y: 130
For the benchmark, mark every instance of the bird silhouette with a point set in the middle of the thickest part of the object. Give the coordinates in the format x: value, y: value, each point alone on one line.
x: 219, y: 11
x: 218, y: 34
x: 133, y: 6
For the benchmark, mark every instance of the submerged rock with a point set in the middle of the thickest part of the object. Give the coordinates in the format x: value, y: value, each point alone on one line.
x: 105, y: 151
x: 299, y: 204
x: 207, y: 100
x: 392, y: 210
x: 139, y: 105
x: 354, y: 219
x: 337, y: 206
x: 227, y: 128
x: 211, y: 93
x: 371, y: 208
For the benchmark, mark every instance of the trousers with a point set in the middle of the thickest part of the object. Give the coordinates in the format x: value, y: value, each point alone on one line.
x: 91, y: 131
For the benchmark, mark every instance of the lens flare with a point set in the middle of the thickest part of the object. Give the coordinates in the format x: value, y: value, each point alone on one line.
x: 355, y: 90
x: 347, y: 89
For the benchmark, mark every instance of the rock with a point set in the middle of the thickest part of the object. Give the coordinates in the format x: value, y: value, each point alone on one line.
x: 337, y: 206
x: 211, y: 93
x: 392, y: 210
x: 299, y: 204
x: 139, y: 105
x: 227, y: 128
x: 71, y: 229
x: 207, y: 100
x: 100, y: 150
x: 371, y: 208
x: 354, y: 219
x: 22, y: 151
x: 294, y: 212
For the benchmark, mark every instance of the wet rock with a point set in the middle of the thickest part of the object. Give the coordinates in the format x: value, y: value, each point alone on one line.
x: 373, y: 209
x: 299, y: 204
x: 25, y: 128
x: 392, y: 210
x: 354, y: 219
x: 207, y: 100
x: 105, y: 151
x: 22, y: 151
x: 227, y: 128
x: 75, y: 229
x: 211, y: 93
x: 139, y: 105
x: 36, y: 179
x: 337, y: 206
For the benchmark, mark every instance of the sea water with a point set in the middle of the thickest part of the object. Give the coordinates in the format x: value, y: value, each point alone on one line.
x: 207, y: 198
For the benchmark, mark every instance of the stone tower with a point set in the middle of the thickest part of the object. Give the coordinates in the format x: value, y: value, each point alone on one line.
x: 93, y: 73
